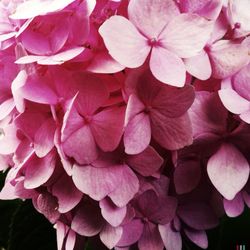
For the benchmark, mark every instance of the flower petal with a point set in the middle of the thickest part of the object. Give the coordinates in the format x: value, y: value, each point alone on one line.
x: 228, y: 170
x: 125, y: 44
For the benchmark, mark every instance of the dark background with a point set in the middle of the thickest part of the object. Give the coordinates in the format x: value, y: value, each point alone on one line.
x: 23, y: 228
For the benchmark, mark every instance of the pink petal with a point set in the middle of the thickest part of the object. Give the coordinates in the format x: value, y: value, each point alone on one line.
x: 167, y: 67
x: 171, y: 239
x: 134, y: 107
x: 146, y: 163
x: 71, y: 240
x: 171, y: 133
x: 227, y: 58
x: 197, y: 237
x: 125, y: 44
x: 235, y: 207
x: 95, y: 182
x: 127, y: 189
x: 110, y: 236
x: 38, y: 170
x: 131, y: 233
x: 107, y: 128
x: 81, y: 146
x: 199, y: 66
x: 233, y: 101
x: 150, y: 239
x: 87, y: 220
x: 44, y: 138
x: 92, y: 93
x: 137, y: 134
x: 186, y: 35
x: 112, y: 214
x: 228, y: 170
x: 66, y: 193
x: 6, y: 107
x: 206, y: 8
x: 153, y: 17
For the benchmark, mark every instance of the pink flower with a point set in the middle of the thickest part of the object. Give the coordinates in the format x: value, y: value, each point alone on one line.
x: 160, y: 30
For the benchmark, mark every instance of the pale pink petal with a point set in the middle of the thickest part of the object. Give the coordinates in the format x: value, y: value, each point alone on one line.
x: 245, y: 116
x: 197, y: 237
x: 186, y: 35
x: 110, y: 236
x: 199, y: 66
x: 71, y: 240
x: 134, y: 107
x: 228, y: 170
x: 125, y: 44
x: 167, y: 67
x: 171, y: 239
x: 34, y: 8
x: 206, y: 8
x: 6, y: 107
x: 38, y: 170
x: 104, y: 63
x: 60, y: 234
x: 235, y: 207
x: 107, y: 128
x: 153, y: 17
x: 233, y: 101
x: 137, y: 134
x: 66, y: 193
x: 87, y: 220
x: 227, y: 58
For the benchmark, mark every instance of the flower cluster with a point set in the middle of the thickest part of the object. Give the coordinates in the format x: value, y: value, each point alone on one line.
x: 126, y: 120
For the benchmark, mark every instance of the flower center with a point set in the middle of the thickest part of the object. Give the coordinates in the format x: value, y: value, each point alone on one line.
x: 153, y: 42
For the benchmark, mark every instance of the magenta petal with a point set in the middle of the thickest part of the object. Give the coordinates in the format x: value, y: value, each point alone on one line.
x: 112, y: 214
x: 171, y: 239
x: 235, y: 207
x: 87, y: 220
x: 167, y: 67
x: 228, y: 170
x: 66, y: 193
x: 38, y: 170
x: 107, y: 128
x: 110, y: 236
x: 153, y: 17
x: 146, y: 163
x: 137, y: 134
x: 125, y: 44
x: 198, y: 215
x: 131, y: 233
x: 150, y: 238
x: 197, y: 237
